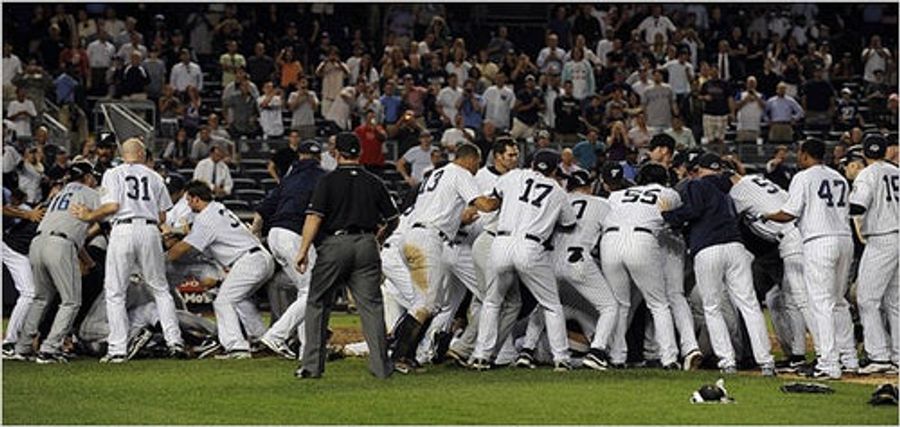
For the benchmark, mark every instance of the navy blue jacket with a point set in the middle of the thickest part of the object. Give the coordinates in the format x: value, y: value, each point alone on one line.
x: 707, y: 213
x: 285, y: 207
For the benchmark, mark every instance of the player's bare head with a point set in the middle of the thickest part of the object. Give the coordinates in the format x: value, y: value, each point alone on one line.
x: 652, y: 173
x: 581, y: 181
x: 506, y: 154
x: 892, y: 149
x: 216, y: 152
x: 811, y: 152
x: 133, y: 151
x: 851, y: 165
x: 469, y: 157
x: 546, y: 161
x: 662, y: 147
x: 198, y: 195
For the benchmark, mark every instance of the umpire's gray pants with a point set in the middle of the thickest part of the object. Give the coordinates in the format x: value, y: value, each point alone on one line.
x: 354, y: 260
x: 54, y: 262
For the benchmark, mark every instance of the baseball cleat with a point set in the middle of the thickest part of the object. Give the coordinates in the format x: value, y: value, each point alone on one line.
x: 822, y: 375
x: 893, y: 370
x: 796, y: 364
x: 176, y: 351
x: 597, y: 360
x: 9, y: 349
x: 767, y: 370
x: 457, y: 358
x: 729, y: 370
x: 693, y: 360
x: 674, y: 366
x: 278, y: 347
x: 208, y: 348
x: 138, y: 342
x: 303, y: 374
x: 563, y: 366
x: 234, y: 355
x: 44, y: 358
x: 19, y: 357
x: 480, y: 364
x: 525, y: 359
x: 875, y: 367
x: 113, y: 359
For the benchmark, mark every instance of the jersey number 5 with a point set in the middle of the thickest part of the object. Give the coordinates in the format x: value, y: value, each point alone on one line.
x: 135, y: 192
x: 649, y: 197
x: 892, y: 187
x: 826, y: 194
x: 542, y: 190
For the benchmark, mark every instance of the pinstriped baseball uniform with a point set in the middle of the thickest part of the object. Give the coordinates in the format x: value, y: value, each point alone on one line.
x: 754, y: 195
x: 218, y: 232
x: 532, y: 206
x: 630, y: 251
x: 877, y: 188
x: 573, y: 265
x: 135, y: 240
x: 397, y: 288
x: 818, y: 198
x: 54, y: 260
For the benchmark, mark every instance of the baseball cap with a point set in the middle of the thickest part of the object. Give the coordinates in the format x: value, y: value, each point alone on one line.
x: 175, y: 182
x: 310, y: 146
x: 79, y: 169
x: 662, y: 140
x: 107, y: 141
x: 347, y: 144
x: 874, y: 146
x: 710, y: 161
x: 611, y: 171
x: 529, y: 77
x: 545, y: 160
x: 691, y: 157
x: 543, y: 134
x: 846, y: 91
x: 579, y: 178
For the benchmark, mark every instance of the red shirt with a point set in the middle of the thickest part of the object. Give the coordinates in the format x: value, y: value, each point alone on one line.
x: 370, y: 139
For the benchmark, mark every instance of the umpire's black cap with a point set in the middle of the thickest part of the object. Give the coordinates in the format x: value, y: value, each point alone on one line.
x: 310, y: 146
x: 874, y: 146
x: 79, y: 169
x: 347, y: 144
x: 175, y: 183
x: 710, y: 161
x: 579, y: 178
x: 546, y: 160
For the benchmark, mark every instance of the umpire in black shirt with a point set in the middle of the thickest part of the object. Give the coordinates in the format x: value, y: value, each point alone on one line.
x: 349, y: 207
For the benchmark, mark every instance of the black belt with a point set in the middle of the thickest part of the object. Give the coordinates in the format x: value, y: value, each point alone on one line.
x: 130, y: 220
x: 491, y: 233
x: 576, y: 253
x: 250, y: 252
x: 350, y: 232
x: 640, y: 229
x: 532, y: 237
x: 58, y: 234
x: 386, y: 246
x: 443, y: 235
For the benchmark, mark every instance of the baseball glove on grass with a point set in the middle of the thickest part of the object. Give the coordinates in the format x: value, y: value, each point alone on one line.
x: 798, y: 387
x: 885, y: 394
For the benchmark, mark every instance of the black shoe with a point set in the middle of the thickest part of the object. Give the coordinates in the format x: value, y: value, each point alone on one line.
x: 618, y: 366
x: 480, y: 365
x: 208, y: 348
x: 303, y: 374
x: 442, y: 344
x: 674, y: 366
x: 44, y: 358
x: 9, y: 349
x: 176, y: 351
x: 597, y: 360
x: 525, y: 359
x: 137, y: 343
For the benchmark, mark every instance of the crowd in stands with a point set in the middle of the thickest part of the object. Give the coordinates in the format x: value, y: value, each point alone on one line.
x: 604, y: 81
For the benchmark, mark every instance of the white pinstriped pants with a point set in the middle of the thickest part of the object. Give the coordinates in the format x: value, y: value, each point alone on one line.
x: 20, y: 269
x: 285, y: 244
x: 877, y: 283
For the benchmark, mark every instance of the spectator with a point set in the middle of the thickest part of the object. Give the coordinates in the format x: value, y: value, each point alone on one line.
x: 215, y: 173
x: 848, y: 112
x: 364, y: 69
x: 31, y: 174
x: 177, y: 153
x: 529, y: 102
x: 172, y: 52
x: 551, y: 57
x: 448, y: 99
x: 818, y: 101
x: 655, y: 24
x: 134, y: 45
x: 559, y: 24
x: 50, y: 48
x: 782, y: 112
x: 134, y: 80
x: 639, y: 135
x: 85, y: 27
x: 371, y: 138
x: 659, y: 104
x: 874, y: 57
x: 341, y: 108
x: 234, y: 88
x: 100, y: 53
x: 68, y: 89
x: 270, y: 106
x: 124, y: 37
x: 768, y: 80
x: 594, y: 113
x: 792, y: 75
x: 550, y: 89
x: 680, y: 72
x: 303, y: 104
x: 416, y: 160
x: 243, y: 109
x: 471, y: 105
x: 498, y: 102
x: 586, y: 25
x: 586, y: 151
x: 485, y: 140
x: 458, y: 134
x: 367, y: 99
x: 568, y: 162
x: 21, y: 112
x: 332, y: 72
x: 202, y: 143
x: 289, y: 68
x: 716, y: 98
x: 749, y: 111
x: 567, y: 110
x: 74, y: 59
x: 876, y: 93
x: 156, y: 70
x: 777, y: 170
x: 12, y: 66
x: 192, y: 111
x: 170, y: 111
x: 459, y: 66
x: 641, y: 79
x: 223, y: 138
x: 185, y: 73
x: 36, y: 83
x: 230, y: 61
x: 499, y: 44
x: 282, y: 159
x: 260, y: 67
x: 630, y: 165
x: 684, y: 138
x: 616, y: 107
x: 391, y: 102
x: 581, y: 73
x: 405, y: 131
x: 723, y: 61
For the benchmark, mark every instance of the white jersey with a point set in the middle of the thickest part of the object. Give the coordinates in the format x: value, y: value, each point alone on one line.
x: 754, y: 195
x: 139, y: 191
x: 403, y: 225
x: 486, y: 179
x: 532, y: 204
x: 180, y: 214
x: 442, y: 198
x: 219, y: 233
x: 590, y: 214
x: 637, y: 207
x: 818, y: 198
x: 877, y: 188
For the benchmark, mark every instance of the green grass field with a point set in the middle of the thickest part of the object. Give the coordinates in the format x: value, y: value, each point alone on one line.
x: 264, y: 391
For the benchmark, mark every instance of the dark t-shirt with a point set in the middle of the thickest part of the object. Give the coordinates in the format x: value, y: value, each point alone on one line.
x: 567, y: 110
x: 817, y: 93
x: 351, y: 198
x: 529, y: 116
x: 283, y: 159
x: 718, y: 105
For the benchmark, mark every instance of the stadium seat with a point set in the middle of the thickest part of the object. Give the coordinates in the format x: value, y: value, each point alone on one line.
x: 256, y: 174
x: 245, y: 184
x: 249, y: 194
x: 268, y: 184
x: 237, y: 205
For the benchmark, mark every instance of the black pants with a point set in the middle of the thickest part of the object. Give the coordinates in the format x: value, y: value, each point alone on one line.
x: 352, y: 260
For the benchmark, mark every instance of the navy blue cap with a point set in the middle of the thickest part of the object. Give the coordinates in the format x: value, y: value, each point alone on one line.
x: 79, y: 169
x: 579, y: 178
x: 546, y: 160
x: 310, y: 146
x: 710, y: 161
x: 348, y: 144
x: 874, y: 146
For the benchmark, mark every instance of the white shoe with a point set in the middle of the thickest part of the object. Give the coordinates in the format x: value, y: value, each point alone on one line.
x: 692, y: 360
x: 234, y: 355
x: 278, y: 347
x: 875, y: 368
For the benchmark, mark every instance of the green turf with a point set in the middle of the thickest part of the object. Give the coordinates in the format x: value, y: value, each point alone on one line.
x: 264, y: 391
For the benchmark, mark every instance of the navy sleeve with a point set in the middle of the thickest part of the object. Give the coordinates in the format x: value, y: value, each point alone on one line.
x: 268, y: 206
x: 692, y: 207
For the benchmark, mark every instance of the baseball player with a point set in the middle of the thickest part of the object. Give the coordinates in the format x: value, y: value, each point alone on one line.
x: 818, y: 199
x: 573, y: 265
x: 54, y: 257
x: 533, y: 204
x: 284, y: 211
x: 506, y: 158
x: 220, y: 233
x: 720, y: 263
x: 435, y: 220
x: 18, y: 216
x: 876, y: 199
x: 753, y: 195
x: 630, y: 251
x: 135, y: 199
